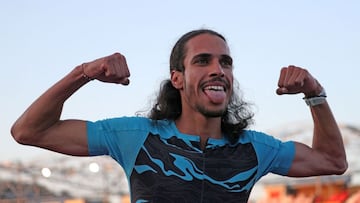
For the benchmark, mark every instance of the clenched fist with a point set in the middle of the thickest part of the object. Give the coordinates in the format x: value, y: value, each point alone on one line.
x: 294, y: 80
x: 112, y: 69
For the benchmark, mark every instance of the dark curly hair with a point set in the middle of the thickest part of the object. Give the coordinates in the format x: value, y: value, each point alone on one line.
x: 168, y: 103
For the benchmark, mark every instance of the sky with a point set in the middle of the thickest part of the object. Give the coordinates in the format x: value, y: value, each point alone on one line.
x: 41, y: 41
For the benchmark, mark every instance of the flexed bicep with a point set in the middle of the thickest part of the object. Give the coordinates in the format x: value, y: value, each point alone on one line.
x: 310, y: 162
x: 67, y: 137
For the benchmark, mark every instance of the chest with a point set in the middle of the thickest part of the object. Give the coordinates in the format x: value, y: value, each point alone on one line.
x: 178, y: 167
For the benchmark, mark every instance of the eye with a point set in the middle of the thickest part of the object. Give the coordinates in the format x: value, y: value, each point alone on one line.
x: 226, y: 62
x: 202, y: 61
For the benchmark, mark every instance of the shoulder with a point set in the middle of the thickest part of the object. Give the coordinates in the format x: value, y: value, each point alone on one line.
x: 273, y: 154
x: 134, y: 123
x: 260, y: 139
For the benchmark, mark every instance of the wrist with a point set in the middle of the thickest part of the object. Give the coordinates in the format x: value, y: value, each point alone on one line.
x: 84, y: 75
x: 318, y: 91
x: 316, y: 99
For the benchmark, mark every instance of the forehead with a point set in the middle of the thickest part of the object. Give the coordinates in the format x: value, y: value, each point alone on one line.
x: 206, y: 43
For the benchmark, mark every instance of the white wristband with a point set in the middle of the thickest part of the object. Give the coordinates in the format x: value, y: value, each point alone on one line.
x: 319, y: 99
x: 313, y: 101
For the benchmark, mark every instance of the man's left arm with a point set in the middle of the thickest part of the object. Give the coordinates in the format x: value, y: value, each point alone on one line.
x: 327, y: 154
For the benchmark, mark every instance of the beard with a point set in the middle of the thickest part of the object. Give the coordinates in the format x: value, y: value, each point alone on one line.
x: 211, y: 113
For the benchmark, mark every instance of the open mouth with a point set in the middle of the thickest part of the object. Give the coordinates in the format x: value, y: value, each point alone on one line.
x: 215, y: 93
x: 215, y: 88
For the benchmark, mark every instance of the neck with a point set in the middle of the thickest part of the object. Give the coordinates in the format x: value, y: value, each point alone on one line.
x: 200, y: 125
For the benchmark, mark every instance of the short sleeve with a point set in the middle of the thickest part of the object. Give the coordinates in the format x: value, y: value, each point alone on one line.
x: 284, y: 158
x: 274, y: 155
x: 120, y: 138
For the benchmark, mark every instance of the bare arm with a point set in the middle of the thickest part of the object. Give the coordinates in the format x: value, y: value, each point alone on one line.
x: 40, y: 124
x: 327, y: 154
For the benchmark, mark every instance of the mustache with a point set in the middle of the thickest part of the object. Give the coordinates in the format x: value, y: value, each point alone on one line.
x: 217, y: 79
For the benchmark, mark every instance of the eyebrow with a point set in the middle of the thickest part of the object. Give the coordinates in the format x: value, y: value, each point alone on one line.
x: 202, y: 55
x: 207, y: 55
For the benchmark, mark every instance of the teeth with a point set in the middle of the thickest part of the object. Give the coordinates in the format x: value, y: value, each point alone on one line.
x: 216, y: 88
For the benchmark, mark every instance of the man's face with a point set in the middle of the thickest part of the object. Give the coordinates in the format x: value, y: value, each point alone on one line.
x: 206, y: 84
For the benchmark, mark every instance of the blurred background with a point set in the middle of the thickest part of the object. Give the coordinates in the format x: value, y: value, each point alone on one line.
x: 41, y: 41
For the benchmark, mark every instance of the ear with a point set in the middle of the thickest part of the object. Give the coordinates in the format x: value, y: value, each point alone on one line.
x: 177, y: 79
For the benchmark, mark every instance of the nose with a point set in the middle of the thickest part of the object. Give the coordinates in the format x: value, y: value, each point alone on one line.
x: 217, y: 70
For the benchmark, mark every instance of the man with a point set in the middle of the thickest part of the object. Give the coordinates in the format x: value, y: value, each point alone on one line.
x: 194, y: 146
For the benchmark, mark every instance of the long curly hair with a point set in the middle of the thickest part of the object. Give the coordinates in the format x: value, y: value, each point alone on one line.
x: 168, y: 102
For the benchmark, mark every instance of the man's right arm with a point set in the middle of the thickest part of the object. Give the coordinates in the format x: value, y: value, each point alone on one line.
x: 40, y: 124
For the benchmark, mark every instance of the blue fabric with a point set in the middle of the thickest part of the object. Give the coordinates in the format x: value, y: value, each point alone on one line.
x: 155, y: 155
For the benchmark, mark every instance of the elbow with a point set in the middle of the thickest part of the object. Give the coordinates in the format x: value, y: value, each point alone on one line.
x: 343, y: 168
x: 20, y: 135
x: 340, y: 166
